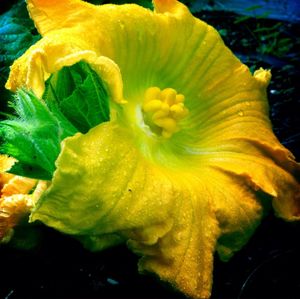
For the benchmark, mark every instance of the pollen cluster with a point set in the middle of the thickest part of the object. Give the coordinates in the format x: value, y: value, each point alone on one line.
x: 163, y: 109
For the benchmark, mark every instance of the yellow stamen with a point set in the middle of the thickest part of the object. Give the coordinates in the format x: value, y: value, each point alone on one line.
x: 163, y: 109
x: 178, y: 111
x: 152, y: 106
x: 169, y: 95
x: 179, y: 98
x: 152, y: 93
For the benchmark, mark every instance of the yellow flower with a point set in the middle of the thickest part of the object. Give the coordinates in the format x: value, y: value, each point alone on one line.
x: 188, y: 159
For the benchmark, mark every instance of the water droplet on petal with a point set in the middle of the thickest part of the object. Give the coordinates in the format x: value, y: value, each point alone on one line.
x: 121, y: 24
x: 274, y: 91
x: 241, y: 113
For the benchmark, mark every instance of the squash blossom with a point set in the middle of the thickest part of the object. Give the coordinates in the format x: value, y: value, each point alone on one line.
x: 187, y: 161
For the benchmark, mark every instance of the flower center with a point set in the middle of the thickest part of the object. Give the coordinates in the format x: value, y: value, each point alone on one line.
x: 163, y: 110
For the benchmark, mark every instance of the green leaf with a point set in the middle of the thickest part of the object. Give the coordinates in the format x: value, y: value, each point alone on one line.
x: 17, y: 34
x: 80, y: 95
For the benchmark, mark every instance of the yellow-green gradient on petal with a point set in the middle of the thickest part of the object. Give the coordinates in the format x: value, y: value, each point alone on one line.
x: 167, y: 218
x: 177, y: 182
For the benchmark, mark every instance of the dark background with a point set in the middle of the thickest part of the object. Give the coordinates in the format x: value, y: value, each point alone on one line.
x: 57, y: 266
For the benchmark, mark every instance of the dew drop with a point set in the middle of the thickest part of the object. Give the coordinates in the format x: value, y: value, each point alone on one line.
x: 241, y: 113
x: 179, y: 237
x: 121, y: 24
x: 274, y: 91
x: 112, y: 281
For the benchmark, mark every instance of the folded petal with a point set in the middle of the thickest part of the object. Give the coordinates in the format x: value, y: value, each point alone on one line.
x: 51, y: 15
x: 12, y: 208
x: 51, y: 54
x: 18, y: 185
x: 124, y: 180
x: 174, y: 219
x: 238, y: 209
x: 162, y: 216
x: 260, y: 173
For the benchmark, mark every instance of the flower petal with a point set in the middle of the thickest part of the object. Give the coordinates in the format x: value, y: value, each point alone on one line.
x: 161, y: 214
x: 45, y: 58
x: 170, y: 6
x: 105, y: 152
x: 6, y: 163
x: 12, y: 208
x: 232, y: 105
x: 51, y: 15
x: 235, y: 134
x: 18, y: 185
x: 171, y: 220
x: 261, y: 173
x: 238, y: 209
x: 184, y: 255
